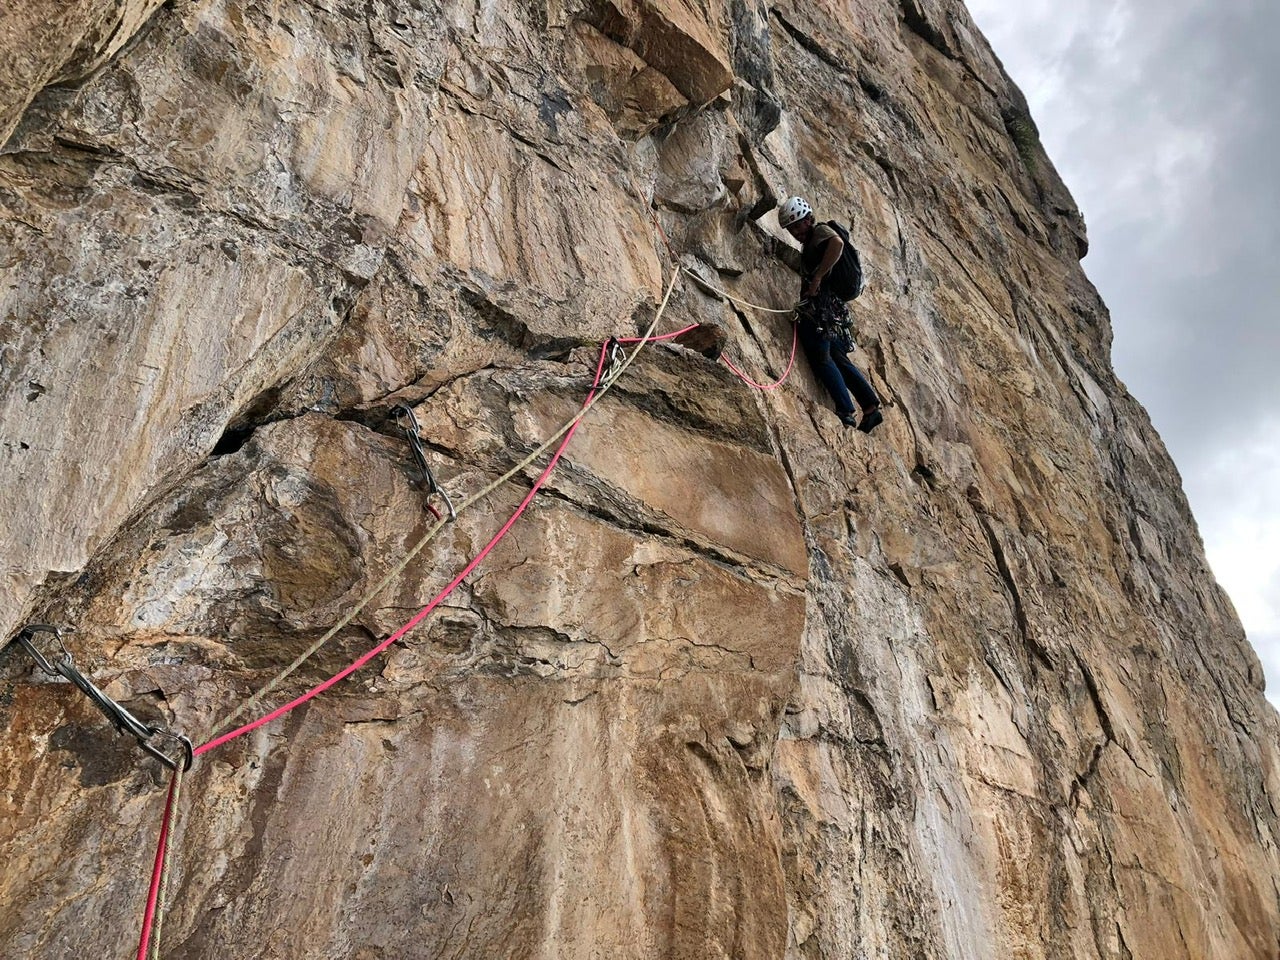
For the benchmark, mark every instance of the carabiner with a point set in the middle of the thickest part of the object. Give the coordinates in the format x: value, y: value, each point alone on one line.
x: 188, y: 751
x: 413, y: 435
x: 121, y: 719
x: 24, y: 640
x: 617, y: 359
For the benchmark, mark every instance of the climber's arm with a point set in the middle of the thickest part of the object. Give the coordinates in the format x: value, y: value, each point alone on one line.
x: 789, y: 255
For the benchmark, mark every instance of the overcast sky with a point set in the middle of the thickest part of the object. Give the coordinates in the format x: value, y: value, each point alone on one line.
x: 1163, y: 117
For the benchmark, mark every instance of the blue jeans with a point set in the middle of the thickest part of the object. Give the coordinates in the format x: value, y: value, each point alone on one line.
x: 833, y: 368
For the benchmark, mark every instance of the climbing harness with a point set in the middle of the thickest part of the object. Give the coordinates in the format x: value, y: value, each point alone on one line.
x: 402, y: 411
x: 829, y: 315
x: 121, y: 718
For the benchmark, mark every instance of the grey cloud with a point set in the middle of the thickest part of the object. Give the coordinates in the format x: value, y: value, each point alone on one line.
x: 1168, y: 133
x: 1195, y: 292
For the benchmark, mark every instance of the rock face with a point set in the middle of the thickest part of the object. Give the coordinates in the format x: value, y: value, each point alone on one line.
x: 741, y: 683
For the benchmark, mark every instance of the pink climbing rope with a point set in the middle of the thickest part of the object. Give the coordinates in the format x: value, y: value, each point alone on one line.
x: 153, y: 896
x: 425, y: 611
x: 443, y: 594
x: 664, y: 336
x: 781, y: 380
x: 791, y: 361
x: 157, y: 873
x: 417, y: 618
x: 475, y: 561
x: 153, y: 892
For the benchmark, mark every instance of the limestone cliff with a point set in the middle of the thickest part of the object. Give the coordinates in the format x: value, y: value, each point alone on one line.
x: 741, y: 683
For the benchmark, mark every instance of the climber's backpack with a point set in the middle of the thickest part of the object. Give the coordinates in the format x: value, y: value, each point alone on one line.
x: 845, y: 279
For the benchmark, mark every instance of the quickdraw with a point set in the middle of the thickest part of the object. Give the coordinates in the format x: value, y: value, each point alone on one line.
x: 121, y: 718
x: 615, y: 362
x: 409, y: 423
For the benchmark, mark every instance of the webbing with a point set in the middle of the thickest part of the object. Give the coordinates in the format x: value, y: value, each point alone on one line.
x: 155, y: 900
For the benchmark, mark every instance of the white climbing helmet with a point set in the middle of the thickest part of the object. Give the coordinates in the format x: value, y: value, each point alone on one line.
x: 792, y: 210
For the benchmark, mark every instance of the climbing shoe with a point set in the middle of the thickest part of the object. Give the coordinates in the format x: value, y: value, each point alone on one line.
x: 871, y: 421
x: 849, y: 420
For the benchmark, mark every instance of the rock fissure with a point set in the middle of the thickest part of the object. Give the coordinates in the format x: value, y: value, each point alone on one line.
x: 1085, y: 778
x: 1225, y: 698
x: 808, y: 43
x: 385, y: 721
x: 773, y: 577
x: 1095, y: 697
x: 915, y: 20
x: 1021, y: 619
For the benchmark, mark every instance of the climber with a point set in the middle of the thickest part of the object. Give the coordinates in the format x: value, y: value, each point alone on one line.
x: 823, y: 316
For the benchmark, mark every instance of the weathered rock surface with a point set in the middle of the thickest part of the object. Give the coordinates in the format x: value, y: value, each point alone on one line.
x: 740, y: 683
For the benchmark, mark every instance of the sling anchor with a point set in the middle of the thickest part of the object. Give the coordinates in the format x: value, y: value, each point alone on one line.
x: 122, y: 719
x: 404, y: 412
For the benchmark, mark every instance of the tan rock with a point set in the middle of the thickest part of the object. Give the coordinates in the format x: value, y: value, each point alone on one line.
x: 45, y: 42
x: 634, y: 94
x: 740, y: 682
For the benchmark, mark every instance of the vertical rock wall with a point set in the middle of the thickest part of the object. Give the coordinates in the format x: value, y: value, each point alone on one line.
x: 741, y: 683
